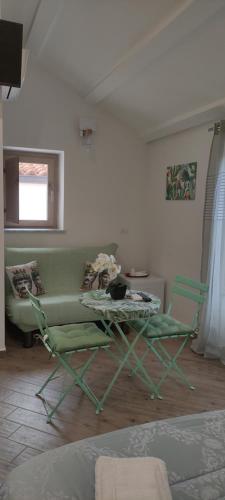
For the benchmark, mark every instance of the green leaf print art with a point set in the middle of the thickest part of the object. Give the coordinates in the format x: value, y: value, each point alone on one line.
x: 181, y: 181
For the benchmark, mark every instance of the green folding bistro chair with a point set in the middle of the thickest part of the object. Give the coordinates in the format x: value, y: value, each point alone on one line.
x: 164, y: 326
x: 64, y: 341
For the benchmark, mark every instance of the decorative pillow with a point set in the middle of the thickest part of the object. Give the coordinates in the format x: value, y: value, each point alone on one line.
x: 36, y: 278
x: 89, y: 280
x: 25, y: 276
x: 104, y: 278
x: 105, y: 268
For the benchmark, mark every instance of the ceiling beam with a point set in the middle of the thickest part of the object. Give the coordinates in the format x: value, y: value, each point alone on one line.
x: 187, y: 18
x: 45, y: 17
x: 210, y: 112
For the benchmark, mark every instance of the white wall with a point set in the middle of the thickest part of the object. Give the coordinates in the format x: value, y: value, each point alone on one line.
x: 103, y: 191
x: 106, y: 193
x: 175, y: 227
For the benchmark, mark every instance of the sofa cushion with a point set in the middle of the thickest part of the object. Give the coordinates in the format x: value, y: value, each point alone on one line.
x: 59, y: 308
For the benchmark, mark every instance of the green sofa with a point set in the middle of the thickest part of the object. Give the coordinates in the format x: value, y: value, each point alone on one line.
x: 61, y: 271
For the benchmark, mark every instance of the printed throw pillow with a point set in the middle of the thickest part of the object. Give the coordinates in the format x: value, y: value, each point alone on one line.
x: 93, y: 280
x: 36, y: 278
x: 25, y: 276
x: 104, y: 278
x: 89, y: 280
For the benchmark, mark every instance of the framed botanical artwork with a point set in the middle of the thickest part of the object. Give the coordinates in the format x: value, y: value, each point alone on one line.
x: 181, y: 181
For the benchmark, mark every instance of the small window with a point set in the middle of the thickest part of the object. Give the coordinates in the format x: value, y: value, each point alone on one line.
x: 31, y: 189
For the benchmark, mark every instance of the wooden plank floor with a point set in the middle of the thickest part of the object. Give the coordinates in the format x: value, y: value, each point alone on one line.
x: 24, y: 432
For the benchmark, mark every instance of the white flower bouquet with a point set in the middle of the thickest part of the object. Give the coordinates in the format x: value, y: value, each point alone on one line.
x: 107, y: 263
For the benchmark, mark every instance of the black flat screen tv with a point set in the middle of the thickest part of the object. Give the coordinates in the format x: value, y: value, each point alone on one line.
x: 11, y: 40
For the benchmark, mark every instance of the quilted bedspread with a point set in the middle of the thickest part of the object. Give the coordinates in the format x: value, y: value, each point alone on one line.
x: 193, y: 448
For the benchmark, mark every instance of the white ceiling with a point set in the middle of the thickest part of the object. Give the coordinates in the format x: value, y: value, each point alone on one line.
x: 20, y: 12
x: 156, y: 64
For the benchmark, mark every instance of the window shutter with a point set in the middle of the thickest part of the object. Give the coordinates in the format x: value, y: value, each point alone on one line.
x: 11, y: 171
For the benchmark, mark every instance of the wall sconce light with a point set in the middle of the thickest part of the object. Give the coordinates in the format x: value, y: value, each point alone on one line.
x: 87, y: 132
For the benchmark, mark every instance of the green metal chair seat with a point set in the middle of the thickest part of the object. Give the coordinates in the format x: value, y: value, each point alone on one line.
x: 163, y: 325
x: 77, y: 336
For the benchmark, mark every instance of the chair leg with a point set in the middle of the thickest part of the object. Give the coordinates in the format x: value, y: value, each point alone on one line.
x: 78, y: 379
x: 64, y: 394
x: 176, y: 367
x: 48, y: 379
x: 170, y: 362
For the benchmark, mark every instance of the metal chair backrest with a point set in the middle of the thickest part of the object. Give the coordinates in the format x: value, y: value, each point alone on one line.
x: 192, y: 290
x: 40, y: 317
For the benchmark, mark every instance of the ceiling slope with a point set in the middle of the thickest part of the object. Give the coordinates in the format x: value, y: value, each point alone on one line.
x: 157, y: 65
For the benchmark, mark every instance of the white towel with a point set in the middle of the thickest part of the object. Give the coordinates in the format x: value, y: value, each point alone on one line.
x: 142, y: 478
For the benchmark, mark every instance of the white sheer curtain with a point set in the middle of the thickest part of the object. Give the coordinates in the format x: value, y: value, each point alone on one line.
x: 211, y: 341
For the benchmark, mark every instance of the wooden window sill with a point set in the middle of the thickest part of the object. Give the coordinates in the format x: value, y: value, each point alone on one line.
x: 32, y: 230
